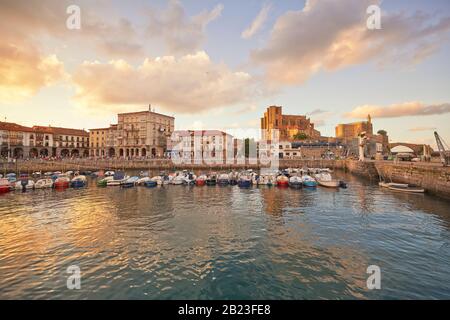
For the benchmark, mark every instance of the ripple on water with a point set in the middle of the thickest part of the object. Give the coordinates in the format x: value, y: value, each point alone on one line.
x: 181, y: 242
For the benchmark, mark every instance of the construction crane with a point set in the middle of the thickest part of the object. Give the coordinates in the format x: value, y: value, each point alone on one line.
x: 445, y: 155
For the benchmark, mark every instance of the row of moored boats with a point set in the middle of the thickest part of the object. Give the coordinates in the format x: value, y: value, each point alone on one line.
x: 37, y: 180
x: 295, y: 178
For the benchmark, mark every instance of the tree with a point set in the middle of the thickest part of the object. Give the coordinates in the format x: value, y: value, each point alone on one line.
x: 301, y: 136
x: 382, y: 132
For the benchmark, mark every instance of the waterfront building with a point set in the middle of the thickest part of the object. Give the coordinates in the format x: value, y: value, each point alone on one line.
x: 98, y: 142
x: 19, y: 141
x: 142, y: 134
x: 191, y: 145
x: 66, y: 142
x: 349, y: 131
x: 289, y: 127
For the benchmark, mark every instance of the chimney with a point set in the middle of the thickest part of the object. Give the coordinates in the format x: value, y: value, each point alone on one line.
x: 150, y: 107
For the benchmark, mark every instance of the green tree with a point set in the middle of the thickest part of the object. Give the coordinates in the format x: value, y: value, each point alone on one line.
x: 301, y: 136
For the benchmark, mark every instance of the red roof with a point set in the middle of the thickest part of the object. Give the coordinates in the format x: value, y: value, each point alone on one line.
x: 10, y: 126
x: 65, y: 131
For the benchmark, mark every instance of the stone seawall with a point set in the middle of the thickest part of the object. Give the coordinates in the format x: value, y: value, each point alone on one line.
x: 434, y: 179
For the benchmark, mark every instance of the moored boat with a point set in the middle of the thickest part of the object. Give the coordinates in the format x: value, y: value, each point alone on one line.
x: 103, y: 182
x: 295, y: 182
x: 223, y: 179
x: 118, y: 179
x: 5, y: 185
x: 61, y: 182
x: 245, y: 181
x: 201, y: 180
x: 79, y: 181
x: 150, y: 183
x: 282, y: 181
x: 324, y: 179
x: 401, y: 187
x: 43, y: 183
x: 142, y: 181
x: 130, y: 182
x: 308, y: 181
x: 211, y: 180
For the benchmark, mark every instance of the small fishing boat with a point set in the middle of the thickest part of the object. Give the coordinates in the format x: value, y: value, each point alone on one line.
x: 78, y: 181
x: 103, y: 182
x: 68, y: 173
x: 24, y: 184
x: 109, y: 173
x: 201, y: 180
x: 142, y: 181
x: 130, y: 182
x: 11, y: 177
x: 324, y: 179
x: 211, y: 180
x: 177, y: 180
x: 282, y: 181
x: 150, y: 183
x: 295, y: 182
x: 223, y: 179
x: 401, y: 187
x: 245, y: 181
x: 62, y: 182
x: 118, y: 179
x: 5, y: 185
x: 308, y: 181
x: 234, y: 177
x: 43, y: 183
x: 189, y: 178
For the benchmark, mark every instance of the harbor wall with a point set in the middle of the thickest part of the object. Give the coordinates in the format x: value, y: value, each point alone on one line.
x: 434, y: 179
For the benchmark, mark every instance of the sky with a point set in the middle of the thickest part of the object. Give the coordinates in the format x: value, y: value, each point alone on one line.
x: 220, y: 64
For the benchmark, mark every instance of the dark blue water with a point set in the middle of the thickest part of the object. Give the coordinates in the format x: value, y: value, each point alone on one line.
x: 180, y: 242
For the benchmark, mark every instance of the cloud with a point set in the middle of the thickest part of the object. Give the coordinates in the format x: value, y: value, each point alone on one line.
x: 188, y: 84
x: 257, y: 23
x: 181, y: 34
x: 317, y: 111
x: 328, y: 35
x: 399, y: 110
x: 24, y: 70
x: 419, y: 129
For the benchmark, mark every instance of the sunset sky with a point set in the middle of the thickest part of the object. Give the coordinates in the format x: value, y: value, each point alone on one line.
x: 219, y: 64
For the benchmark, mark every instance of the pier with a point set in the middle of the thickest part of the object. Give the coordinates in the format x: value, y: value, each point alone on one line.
x: 431, y: 176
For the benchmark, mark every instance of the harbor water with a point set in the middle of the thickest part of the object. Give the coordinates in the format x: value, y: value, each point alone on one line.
x: 181, y: 242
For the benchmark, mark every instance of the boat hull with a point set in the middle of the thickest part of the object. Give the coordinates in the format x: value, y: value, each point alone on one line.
x: 200, y: 182
x: 150, y: 184
x: 295, y: 185
x: 310, y: 184
x: 244, y: 183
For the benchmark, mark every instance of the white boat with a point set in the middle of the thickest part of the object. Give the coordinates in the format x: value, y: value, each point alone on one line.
x: 142, y: 180
x: 118, y: 182
x: 109, y: 173
x: 29, y: 184
x: 43, y: 184
x: 325, y: 180
x: 401, y: 187
x: 295, y: 182
x: 178, y: 179
x: 266, y: 180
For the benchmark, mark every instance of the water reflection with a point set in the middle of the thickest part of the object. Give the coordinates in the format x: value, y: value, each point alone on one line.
x: 224, y: 242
